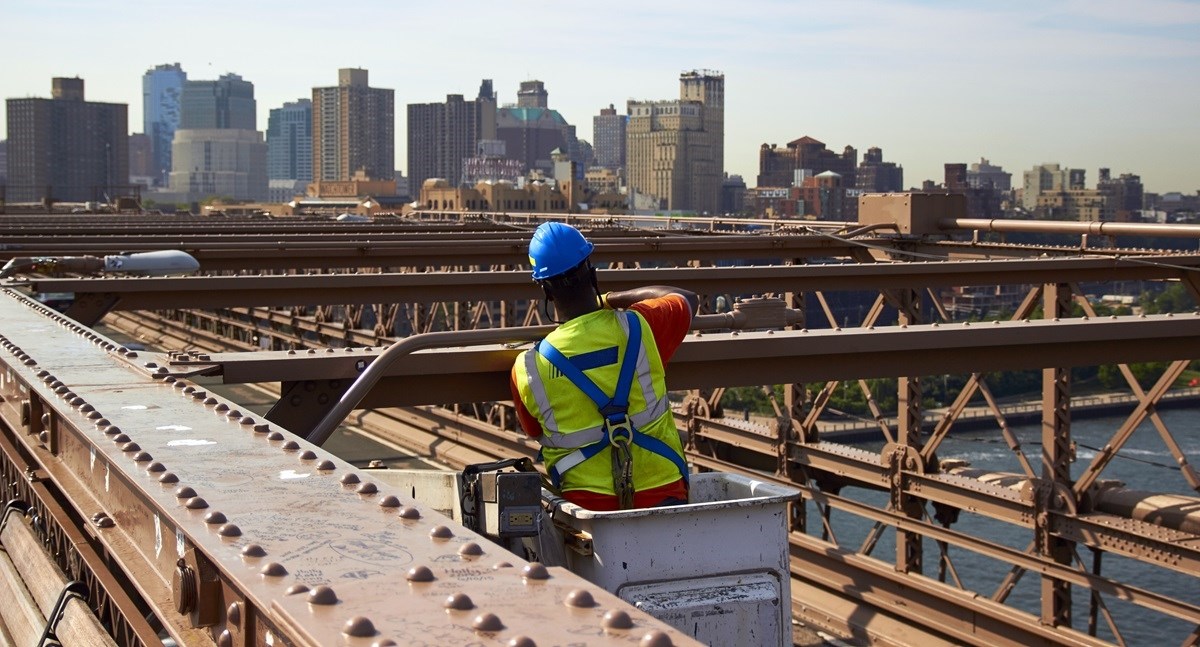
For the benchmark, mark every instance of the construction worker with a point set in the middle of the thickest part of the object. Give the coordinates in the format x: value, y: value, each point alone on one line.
x: 593, y: 392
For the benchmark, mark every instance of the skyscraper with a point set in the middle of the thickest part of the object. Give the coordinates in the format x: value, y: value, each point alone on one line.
x: 217, y: 152
x: 608, y: 137
x: 877, y: 176
x: 227, y: 102
x: 289, y: 141
x: 354, y: 129
x: 675, y: 149
x: 441, y: 136
x: 76, y: 150
x: 531, y: 130
x: 162, y: 100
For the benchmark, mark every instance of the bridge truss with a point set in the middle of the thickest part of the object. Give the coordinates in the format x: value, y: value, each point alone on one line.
x: 305, y: 306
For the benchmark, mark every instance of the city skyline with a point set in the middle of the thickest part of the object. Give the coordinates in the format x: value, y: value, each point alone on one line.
x: 1084, y: 84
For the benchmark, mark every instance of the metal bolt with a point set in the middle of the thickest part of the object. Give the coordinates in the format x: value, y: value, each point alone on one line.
x: 359, y: 627
x: 655, y: 638
x: 470, y: 549
x: 535, y: 571
x: 441, y: 532
x: 487, y: 622
x: 275, y: 569
x: 229, y: 530
x: 459, y: 602
x: 253, y: 550
x: 410, y: 513
x: 196, y: 503
x: 616, y: 619
x: 214, y: 517
x: 419, y: 574
x: 367, y: 488
x: 322, y: 595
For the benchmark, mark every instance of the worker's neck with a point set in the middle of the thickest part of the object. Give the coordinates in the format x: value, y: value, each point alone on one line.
x: 569, y: 309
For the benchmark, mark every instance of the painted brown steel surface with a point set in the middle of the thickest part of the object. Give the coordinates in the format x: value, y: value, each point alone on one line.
x: 267, y: 513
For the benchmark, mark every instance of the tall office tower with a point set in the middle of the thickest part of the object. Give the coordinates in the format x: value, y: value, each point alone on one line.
x: 985, y: 175
x: 955, y: 176
x: 66, y: 149
x: 531, y: 130
x: 289, y: 141
x: 442, y: 136
x: 532, y: 95
x: 1125, y: 195
x: 608, y: 137
x: 141, y: 159
x: 227, y: 102
x: 162, y: 101
x: 3, y: 160
x: 353, y: 130
x: 877, y: 176
x: 675, y: 149
x: 777, y: 167
x: 217, y: 152
x: 1041, y: 179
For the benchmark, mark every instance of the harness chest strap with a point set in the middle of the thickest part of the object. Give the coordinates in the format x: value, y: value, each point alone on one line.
x: 592, y: 441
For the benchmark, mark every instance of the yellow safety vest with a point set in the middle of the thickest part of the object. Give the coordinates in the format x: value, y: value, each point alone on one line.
x: 596, y: 344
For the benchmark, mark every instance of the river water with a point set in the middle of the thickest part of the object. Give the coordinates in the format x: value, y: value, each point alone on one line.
x: 1143, y: 464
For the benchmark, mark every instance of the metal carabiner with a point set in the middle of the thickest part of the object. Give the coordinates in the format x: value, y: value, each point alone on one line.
x: 619, y: 433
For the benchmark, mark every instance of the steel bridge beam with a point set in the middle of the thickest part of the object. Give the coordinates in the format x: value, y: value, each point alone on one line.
x: 750, y: 358
x: 97, y: 296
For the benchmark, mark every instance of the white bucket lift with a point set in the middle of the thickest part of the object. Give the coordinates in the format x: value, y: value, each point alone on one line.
x: 716, y: 568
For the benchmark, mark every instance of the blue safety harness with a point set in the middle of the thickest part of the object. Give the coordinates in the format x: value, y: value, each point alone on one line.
x: 617, y: 426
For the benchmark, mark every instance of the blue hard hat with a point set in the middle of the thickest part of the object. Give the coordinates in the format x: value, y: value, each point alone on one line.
x: 556, y: 248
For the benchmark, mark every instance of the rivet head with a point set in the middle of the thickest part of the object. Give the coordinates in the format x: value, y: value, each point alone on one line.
x: 291, y: 446
x: 221, y: 408
x: 233, y: 413
x: 120, y: 438
x: 131, y: 447
x: 616, y: 619
x: 274, y: 569
x: 247, y: 420
x: 580, y: 598
x: 253, y: 550
x: 214, y: 517
x: 211, y: 400
x: 296, y: 588
x: 86, y: 408
x: 419, y: 574
x: 112, y: 431
x: 196, y: 503
x: 184, y: 492
x: 262, y: 428
x: 349, y: 478
x: 326, y: 466
x: 367, y: 488
x: 200, y: 394
x: 308, y: 455
x: 520, y: 641
x: 410, y: 513
x: 101, y: 423
x: 274, y: 435
x: 359, y: 627
x: 459, y: 602
x: 234, y: 614
x: 105, y: 522
x: 229, y: 530
x: 322, y: 595
x: 535, y: 571
x: 386, y: 642
x: 655, y: 638
x: 499, y: 565
x: 389, y: 501
x: 487, y: 622
x: 156, y: 467
x: 142, y: 457
x: 441, y: 532
x: 470, y: 549
x: 225, y: 639
x: 168, y: 478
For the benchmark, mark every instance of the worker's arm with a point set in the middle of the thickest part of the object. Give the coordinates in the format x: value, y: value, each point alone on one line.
x: 627, y: 298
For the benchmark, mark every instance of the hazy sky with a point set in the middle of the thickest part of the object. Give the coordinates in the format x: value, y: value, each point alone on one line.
x: 1085, y: 83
